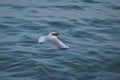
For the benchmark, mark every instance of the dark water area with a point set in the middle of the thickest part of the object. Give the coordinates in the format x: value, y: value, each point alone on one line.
x: 91, y: 28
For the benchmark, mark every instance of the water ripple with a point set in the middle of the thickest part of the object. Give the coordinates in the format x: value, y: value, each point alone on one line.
x: 89, y: 27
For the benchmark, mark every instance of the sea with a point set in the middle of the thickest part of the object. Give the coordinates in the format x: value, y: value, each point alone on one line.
x: 91, y: 28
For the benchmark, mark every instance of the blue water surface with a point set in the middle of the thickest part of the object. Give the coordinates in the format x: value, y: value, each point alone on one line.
x: 91, y: 28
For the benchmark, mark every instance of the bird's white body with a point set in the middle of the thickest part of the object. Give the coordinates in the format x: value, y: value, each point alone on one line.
x: 53, y: 39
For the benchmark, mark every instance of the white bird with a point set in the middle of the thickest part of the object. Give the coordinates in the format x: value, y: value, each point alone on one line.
x: 53, y: 39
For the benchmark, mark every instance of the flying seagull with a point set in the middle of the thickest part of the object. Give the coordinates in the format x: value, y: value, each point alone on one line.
x: 53, y: 39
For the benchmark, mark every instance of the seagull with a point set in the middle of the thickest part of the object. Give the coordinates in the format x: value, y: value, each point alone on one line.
x: 53, y: 39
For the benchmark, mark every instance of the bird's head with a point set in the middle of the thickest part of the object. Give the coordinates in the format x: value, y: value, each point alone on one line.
x: 54, y: 34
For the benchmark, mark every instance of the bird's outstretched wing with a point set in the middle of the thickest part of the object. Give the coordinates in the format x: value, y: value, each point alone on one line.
x: 58, y: 43
x: 41, y: 39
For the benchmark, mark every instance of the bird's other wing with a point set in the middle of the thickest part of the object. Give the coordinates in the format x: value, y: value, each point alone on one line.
x: 41, y: 39
x: 58, y: 43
